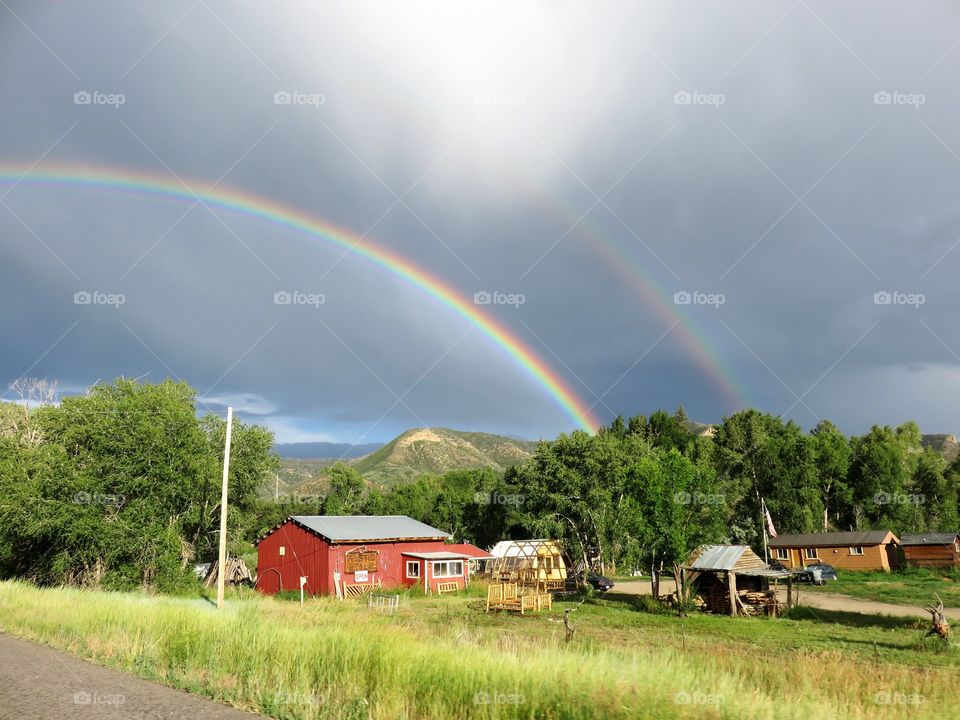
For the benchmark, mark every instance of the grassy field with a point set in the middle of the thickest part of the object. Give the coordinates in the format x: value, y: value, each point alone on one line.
x: 446, y: 658
x: 906, y: 587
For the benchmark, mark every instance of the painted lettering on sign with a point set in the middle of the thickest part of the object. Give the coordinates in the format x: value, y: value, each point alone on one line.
x: 361, y: 560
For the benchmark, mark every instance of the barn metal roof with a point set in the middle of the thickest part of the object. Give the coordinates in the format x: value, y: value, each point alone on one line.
x: 719, y: 557
x: 929, y: 539
x: 472, y: 551
x: 358, y: 528
x: 832, y: 539
x: 439, y: 555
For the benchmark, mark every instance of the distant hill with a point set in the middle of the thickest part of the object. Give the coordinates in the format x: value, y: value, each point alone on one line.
x: 324, y: 450
x: 438, y: 450
x: 301, y: 476
x: 946, y: 445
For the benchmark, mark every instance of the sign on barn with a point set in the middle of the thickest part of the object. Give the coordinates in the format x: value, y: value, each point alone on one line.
x: 361, y: 560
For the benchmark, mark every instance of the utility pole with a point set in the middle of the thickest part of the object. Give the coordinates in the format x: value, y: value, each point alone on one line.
x: 221, y: 576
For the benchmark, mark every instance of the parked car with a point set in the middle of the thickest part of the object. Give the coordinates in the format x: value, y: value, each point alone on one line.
x: 597, y: 582
x: 818, y: 574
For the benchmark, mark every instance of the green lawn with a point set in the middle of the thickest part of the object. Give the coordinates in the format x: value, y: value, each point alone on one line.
x: 906, y: 587
x: 446, y: 658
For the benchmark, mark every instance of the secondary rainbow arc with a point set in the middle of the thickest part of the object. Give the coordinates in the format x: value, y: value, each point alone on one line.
x: 657, y: 299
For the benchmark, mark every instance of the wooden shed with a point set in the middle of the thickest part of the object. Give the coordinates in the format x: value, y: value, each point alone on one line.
x: 734, y: 580
x: 858, y: 550
x: 931, y: 550
x: 350, y: 555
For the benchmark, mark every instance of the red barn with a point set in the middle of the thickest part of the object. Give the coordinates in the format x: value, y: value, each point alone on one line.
x: 344, y: 554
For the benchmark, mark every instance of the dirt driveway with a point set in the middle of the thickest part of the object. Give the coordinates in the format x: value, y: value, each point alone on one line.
x: 822, y: 600
x: 37, y: 682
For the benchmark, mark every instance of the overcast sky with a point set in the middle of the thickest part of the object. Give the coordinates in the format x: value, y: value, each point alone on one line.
x: 789, y: 168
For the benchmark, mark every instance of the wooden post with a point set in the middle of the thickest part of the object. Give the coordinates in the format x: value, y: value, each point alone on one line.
x: 221, y: 577
x: 789, y: 592
x: 732, y: 589
x: 678, y: 581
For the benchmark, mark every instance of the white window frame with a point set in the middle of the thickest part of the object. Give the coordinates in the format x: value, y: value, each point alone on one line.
x: 856, y: 550
x: 415, y: 565
x: 807, y: 554
x: 446, y: 571
x: 783, y: 553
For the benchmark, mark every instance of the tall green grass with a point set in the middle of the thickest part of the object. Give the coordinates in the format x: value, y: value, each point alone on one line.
x: 444, y: 658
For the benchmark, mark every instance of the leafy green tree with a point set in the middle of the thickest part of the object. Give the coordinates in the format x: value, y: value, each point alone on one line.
x: 878, y: 477
x: 123, y: 491
x: 932, y: 495
x: 346, y: 491
x: 832, y: 457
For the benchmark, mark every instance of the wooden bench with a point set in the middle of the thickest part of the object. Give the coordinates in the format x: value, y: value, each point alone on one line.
x: 507, y: 596
x: 447, y: 587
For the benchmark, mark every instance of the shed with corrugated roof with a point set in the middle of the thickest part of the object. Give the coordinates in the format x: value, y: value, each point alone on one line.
x: 733, y: 579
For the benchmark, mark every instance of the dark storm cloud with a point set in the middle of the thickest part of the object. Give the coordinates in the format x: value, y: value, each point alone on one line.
x: 799, y: 161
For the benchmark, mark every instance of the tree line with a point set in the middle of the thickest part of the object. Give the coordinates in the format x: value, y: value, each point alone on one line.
x: 120, y: 488
x: 642, y: 493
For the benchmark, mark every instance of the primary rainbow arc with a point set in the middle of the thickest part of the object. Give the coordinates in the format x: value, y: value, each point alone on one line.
x: 273, y: 212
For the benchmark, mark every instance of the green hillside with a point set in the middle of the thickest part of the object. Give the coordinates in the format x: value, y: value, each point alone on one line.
x: 437, y: 450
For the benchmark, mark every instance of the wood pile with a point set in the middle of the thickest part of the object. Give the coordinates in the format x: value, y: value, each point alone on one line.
x: 753, y: 602
x: 749, y: 602
x: 716, y: 600
x: 237, y: 573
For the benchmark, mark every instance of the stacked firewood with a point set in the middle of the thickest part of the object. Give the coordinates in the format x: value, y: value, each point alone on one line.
x: 758, y: 603
x: 716, y: 600
x: 749, y: 602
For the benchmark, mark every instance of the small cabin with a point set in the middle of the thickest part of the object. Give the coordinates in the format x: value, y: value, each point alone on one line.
x: 931, y: 550
x: 863, y: 550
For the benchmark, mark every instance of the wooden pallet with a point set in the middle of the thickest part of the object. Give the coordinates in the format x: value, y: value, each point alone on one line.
x: 359, y: 590
x: 447, y: 587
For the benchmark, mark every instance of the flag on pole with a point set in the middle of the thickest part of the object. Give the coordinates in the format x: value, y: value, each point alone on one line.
x: 770, y: 528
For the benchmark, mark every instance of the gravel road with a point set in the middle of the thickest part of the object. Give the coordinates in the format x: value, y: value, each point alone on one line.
x: 814, y: 599
x: 38, y: 683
